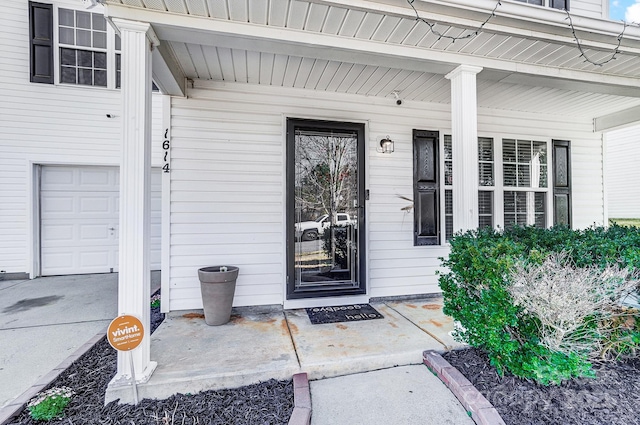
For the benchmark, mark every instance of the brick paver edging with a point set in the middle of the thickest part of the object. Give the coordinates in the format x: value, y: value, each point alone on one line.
x: 479, y: 408
x: 14, y: 408
x: 301, y: 400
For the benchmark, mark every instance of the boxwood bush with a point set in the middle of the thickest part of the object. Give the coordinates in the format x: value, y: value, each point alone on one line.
x: 476, y: 293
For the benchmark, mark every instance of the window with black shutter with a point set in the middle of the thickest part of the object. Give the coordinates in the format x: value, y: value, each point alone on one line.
x: 89, y: 53
x: 41, y: 42
x: 425, y: 188
x: 562, y: 182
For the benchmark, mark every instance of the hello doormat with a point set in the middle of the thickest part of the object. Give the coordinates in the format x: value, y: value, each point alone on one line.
x: 342, y: 313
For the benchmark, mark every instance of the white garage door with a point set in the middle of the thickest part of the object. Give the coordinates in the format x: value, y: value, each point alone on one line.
x: 79, y: 209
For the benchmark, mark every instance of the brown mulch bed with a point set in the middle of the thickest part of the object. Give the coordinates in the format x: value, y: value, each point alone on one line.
x: 269, y: 402
x: 612, y: 398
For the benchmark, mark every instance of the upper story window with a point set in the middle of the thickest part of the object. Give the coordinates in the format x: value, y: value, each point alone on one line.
x: 555, y: 4
x: 79, y: 48
x: 119, y: 63
x: 82, y: 37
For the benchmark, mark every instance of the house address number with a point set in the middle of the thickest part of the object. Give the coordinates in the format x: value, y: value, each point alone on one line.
x: 166, y: 144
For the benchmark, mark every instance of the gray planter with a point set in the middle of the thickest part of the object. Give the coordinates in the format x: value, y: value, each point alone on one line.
x: 217, y: 286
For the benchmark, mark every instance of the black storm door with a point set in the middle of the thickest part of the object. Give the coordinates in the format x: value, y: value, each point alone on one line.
x: 325, y: 209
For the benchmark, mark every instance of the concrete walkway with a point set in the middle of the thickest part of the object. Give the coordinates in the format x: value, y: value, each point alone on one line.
x: 400, y: 395
x: 44, y: 320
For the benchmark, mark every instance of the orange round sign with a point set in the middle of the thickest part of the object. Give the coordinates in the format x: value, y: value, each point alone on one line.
x: 125, y: 332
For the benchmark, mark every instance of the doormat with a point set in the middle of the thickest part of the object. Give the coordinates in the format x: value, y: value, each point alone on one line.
x: 343, y: 313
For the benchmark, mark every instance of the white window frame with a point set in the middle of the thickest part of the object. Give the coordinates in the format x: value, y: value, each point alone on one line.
x: 491, y: 189
x: 545, y: 3
x: 111, y: 51
x: 499, y: 188
x: 444, y: 187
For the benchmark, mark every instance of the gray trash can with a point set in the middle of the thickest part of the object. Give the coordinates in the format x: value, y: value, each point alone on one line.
x: 217, y: 285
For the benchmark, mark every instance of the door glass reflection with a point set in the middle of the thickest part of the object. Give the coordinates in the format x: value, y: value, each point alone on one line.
x: 326, y: 209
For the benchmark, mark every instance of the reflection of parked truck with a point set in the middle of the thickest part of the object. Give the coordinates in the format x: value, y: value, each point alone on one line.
x: 310, y: 230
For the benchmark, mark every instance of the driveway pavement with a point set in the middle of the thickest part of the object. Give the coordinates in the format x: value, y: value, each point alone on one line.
x: 44, y: 320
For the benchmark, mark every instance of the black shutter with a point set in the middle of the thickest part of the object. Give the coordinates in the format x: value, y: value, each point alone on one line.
x: 41, y: 42
x: 426, y: 226
x: 562, y: 183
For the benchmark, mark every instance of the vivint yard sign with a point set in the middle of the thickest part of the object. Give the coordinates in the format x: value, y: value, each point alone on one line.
x: 125, y: 333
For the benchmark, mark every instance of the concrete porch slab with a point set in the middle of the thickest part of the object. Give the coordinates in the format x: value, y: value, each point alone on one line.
x: 263, y: 343
x: 194, y: 357
x: 427, y: 315
x: 352, y: 347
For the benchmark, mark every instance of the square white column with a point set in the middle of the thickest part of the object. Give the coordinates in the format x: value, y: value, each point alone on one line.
x: 138, y: 39
x: 464, y: 141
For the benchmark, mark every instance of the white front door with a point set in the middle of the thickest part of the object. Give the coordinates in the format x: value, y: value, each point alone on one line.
x: 79, y: 208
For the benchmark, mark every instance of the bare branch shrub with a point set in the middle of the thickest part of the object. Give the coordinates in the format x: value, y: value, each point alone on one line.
x: 574, y: 306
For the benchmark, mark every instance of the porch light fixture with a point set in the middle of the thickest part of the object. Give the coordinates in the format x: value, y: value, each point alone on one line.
x: 386, y: 145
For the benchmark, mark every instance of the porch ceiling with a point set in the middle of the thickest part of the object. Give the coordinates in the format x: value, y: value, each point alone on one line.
x: 276, y: 46
x: 235, y: 65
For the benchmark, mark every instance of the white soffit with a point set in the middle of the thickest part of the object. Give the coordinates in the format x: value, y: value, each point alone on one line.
x: 402, y: 30
x: 498, y: 90
x: 223, y: 57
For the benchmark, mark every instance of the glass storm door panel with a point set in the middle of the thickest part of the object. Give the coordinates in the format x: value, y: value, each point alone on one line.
x: 325, y: 208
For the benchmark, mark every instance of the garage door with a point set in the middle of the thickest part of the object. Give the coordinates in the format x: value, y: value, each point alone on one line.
x: 79, y: 220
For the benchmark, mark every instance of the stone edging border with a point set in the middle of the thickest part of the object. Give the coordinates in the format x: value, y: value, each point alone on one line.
x: 14, y: 407
x: 301, y: 414
x: 479, y: 408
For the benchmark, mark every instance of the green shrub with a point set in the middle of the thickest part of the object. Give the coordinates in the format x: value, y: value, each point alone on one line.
x: 625, y: 335
x: 476, y: 293
x: 50, y: 404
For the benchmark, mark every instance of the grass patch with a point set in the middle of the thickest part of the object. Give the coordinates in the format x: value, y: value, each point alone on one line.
x: 626, y: 222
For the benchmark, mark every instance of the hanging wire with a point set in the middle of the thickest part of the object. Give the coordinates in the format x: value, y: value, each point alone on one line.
x: 449, y: 37
x: 474, y: 33
x: 583, y: 54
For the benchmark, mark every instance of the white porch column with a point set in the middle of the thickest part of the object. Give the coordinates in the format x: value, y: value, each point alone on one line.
x: 138, y: 40
x: 464, y: 139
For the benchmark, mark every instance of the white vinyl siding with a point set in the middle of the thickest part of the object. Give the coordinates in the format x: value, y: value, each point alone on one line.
x: 47, y: 124
x: 590, y: 8
x: 228, y: 183
x: 623, y: 174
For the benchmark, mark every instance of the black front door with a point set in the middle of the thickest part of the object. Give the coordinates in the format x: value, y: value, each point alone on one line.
x: 325, y: 209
